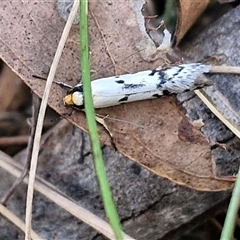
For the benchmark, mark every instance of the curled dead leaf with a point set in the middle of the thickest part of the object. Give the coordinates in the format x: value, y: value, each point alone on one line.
x: 188, y: 13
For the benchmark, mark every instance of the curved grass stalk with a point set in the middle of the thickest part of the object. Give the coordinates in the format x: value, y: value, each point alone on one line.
x: 109, y: 206
x: 37, y: 137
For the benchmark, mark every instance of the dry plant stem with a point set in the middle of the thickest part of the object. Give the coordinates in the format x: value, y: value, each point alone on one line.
x: 17, y: 221
x: 225, y: 69
x: 13, y: 141
x: 217, y: 224
x: 35, y: 111
x: 36, y: 145
x: 68, y: 204
x: 209, y: 104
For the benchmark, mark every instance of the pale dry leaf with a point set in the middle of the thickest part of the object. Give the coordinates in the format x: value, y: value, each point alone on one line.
x: 147, y: 132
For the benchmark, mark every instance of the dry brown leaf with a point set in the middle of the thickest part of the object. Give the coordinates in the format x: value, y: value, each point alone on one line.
x: 161, y: 139
x: 188, y: 13
x: 13, y: 86
x: 148, y: 132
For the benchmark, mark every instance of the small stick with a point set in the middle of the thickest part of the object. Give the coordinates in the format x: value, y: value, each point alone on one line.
x: 36, y: 144
x: 16, y: 140
x: 211, y: 106
x: 225, y: 69
x: 35, y: 110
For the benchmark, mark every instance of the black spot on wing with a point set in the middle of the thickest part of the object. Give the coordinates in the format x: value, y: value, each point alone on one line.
x: 162, y: 81
x: 120, y: 81
x: 133, y: 86
x: 162, y: 78
x: 156, y: 95
x: 178, y: 71
x: 124, y: 99
x: 166, y: 92
x: 161, y: 74
x: 153, y: 72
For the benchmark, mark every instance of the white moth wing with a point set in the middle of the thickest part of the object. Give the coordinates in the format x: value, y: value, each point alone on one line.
x: 125, y: 88
x: 183, y: 77
x: 144, y: 85
x: 125, y: 84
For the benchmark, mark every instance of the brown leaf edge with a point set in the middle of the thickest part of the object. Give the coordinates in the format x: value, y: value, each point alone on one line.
x: 188, y: 12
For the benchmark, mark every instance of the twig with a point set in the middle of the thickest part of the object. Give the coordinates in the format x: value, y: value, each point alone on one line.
x: 35, y: 110
x: 66, y: 203
x: 36, y: 145
x: 225, y: 69
x: 14, y: 140
x: 17, y: 221
x: 201, y: 95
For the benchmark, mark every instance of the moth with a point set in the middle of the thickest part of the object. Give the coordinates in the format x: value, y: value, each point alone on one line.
x: 140, y: 86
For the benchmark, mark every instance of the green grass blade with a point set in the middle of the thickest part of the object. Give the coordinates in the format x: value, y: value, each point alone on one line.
x: 109, y: 206
x: 231, y: 217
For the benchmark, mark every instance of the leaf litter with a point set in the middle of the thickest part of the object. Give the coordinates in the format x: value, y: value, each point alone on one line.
x: 31, y: 31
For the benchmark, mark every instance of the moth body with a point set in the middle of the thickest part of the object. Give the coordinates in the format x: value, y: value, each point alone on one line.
x: 139, y: 86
